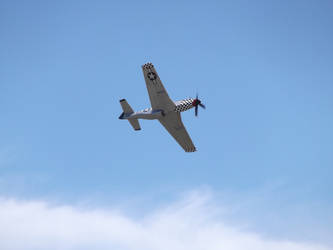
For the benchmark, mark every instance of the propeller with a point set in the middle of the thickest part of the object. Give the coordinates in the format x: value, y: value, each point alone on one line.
x: 196, y: 103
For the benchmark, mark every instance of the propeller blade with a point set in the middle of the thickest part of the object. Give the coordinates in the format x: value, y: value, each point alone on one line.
x: 197, y: 103
x: 202, y: 106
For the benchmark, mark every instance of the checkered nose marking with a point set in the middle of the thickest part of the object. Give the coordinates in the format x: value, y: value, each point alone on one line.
x: 184, y: 105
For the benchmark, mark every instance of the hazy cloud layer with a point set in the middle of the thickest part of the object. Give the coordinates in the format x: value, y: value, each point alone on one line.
x: 189, y: 224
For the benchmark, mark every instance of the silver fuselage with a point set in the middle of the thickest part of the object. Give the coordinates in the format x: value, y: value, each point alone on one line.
x: 151, y: 114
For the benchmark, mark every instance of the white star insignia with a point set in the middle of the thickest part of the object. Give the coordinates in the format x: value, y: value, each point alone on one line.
x: 151, y: 76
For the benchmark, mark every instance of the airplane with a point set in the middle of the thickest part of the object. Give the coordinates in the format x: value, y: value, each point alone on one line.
x: 163, y: 109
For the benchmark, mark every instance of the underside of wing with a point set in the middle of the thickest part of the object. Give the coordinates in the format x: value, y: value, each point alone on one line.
x: 158, y: 96
x: 174, y: 125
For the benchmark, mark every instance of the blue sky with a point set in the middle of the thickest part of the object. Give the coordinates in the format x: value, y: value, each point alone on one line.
x: 265, y: 141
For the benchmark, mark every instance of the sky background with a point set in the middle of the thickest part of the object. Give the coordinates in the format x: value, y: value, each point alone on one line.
x: 265, y: 141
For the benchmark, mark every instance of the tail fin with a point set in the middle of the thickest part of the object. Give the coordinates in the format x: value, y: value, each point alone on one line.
x: 128, y: 110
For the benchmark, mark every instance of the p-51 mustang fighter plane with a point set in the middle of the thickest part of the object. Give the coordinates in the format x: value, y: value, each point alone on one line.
x: 162, y: 109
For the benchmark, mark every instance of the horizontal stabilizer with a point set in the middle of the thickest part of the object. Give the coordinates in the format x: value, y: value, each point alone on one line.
x: 135, y: 124
x: 126, y: 107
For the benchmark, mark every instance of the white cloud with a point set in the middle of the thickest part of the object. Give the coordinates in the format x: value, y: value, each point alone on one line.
x: 190, y: 224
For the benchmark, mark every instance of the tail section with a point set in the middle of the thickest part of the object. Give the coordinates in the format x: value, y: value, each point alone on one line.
x: 127, y: 111
x: 135, y: 124
x: 126, y: 107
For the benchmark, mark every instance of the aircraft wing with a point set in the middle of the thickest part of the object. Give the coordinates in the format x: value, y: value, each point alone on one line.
x: 173, y: 123
x: 158, y: 96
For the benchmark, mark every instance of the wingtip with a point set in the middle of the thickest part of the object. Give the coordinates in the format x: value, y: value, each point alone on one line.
x: 147, y: 65
x: 190, y: 150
